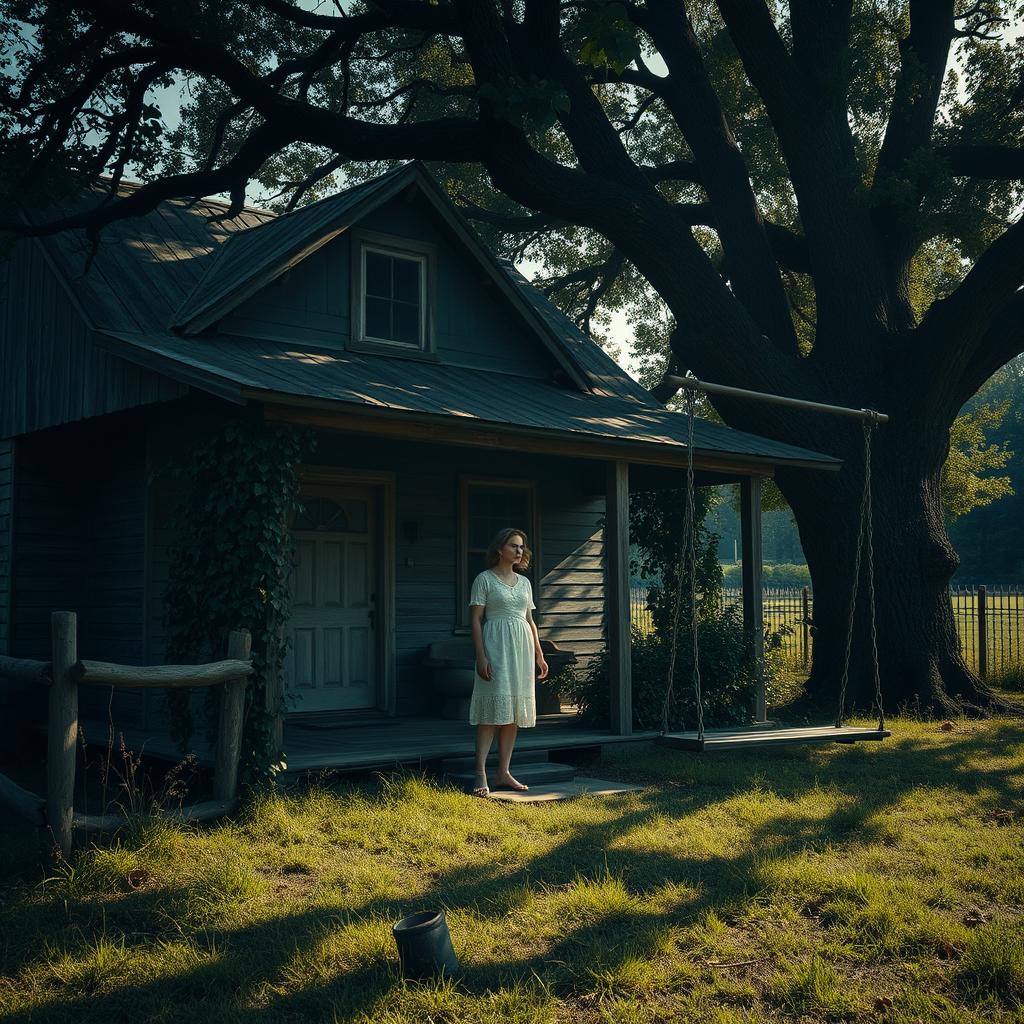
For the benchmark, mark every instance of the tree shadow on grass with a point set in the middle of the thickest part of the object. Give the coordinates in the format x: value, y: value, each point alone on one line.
x: 248, y: 977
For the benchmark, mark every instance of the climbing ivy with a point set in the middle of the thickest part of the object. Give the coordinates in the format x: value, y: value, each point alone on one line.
x: 230, y: 566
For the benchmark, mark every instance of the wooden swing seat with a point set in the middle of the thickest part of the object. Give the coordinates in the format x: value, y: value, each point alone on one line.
x: 761, y: 736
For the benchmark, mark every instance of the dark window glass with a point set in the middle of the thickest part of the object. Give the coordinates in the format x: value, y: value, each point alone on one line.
x: 405, y: 324
x: 378, y: 274
x: 406, y: 280
x: 393, y: 297
x: 491, y: 508
x: 378, y: 318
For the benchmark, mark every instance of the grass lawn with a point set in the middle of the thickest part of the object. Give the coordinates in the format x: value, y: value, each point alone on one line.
x: 866, y: 883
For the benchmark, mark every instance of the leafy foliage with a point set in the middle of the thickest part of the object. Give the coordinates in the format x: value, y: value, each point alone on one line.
x: 971, y: 454
x: 727, y: 671
x: 725, y: 659
x: 230, y: 569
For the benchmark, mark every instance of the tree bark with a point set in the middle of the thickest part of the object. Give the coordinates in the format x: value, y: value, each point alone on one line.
x: 919, y: 653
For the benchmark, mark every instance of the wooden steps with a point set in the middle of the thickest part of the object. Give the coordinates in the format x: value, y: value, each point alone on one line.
x: 759, y: 736
x: 530, y: 767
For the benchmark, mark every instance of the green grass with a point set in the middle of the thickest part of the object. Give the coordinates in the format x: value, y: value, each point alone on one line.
x: 865, y: 883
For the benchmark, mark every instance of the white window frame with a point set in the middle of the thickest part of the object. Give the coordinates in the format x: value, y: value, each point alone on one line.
x: 390, y: 245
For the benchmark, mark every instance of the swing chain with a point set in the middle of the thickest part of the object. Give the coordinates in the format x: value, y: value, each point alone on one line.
x: 868, y: 526
x: 864, y: 538
x: 687, y: 553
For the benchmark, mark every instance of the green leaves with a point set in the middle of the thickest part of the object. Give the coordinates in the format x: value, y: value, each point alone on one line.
x: 531, y: 99
x: 609, y: 38
x: 229, y: 568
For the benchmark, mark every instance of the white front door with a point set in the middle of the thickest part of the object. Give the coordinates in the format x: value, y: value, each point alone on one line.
x: 331, y: 664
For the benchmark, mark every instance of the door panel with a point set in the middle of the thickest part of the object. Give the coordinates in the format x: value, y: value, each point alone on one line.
x: 332, y: 662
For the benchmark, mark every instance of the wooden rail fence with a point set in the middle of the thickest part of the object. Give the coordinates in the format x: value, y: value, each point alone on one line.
x: 63, y: 675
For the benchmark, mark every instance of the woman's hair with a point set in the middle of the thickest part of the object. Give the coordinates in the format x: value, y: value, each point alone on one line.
x: 499, y: 540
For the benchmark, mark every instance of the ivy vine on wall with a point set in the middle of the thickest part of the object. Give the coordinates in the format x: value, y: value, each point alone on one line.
x: 230, y: 565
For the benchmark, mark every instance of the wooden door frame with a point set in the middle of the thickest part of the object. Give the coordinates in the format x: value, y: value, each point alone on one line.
x: 384, y: 483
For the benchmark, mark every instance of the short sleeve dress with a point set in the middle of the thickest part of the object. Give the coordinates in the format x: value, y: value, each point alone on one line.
x: 508, y: 643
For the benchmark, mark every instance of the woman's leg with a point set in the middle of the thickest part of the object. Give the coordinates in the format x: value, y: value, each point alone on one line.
x: 484, y: 739
x: 506, y: 741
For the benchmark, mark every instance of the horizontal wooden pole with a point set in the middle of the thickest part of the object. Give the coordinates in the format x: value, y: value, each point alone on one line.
x: 24, y: 803
x: 25, y: 670
x: 205, y: 811
x: 693, y: 384
x: 155, y: 676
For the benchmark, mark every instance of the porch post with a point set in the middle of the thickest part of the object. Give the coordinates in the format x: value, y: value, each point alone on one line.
x: 753, y: 608
x: 616, y: 553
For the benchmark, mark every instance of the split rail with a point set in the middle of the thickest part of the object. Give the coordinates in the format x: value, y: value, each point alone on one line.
x: 64, y: 673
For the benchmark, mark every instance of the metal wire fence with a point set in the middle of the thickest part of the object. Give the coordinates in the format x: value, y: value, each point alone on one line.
x: 990, y: 621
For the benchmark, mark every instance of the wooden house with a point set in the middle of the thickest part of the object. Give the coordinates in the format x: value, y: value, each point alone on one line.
x: 449, y: 396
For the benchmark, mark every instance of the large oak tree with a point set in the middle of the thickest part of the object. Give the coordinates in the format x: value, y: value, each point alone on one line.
x: 825, y: 203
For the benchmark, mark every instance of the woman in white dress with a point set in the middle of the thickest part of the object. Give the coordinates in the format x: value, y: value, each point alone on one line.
x: 507, y: 654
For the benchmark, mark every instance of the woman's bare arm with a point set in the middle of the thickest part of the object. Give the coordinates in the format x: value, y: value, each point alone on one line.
x: 483, y: 666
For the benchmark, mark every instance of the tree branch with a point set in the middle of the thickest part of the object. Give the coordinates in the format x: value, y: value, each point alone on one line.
x: 694, y: 105
x: 1003, y: 341
x: 816, y: 141
x: 955, y: 331
x: 923, y: 56
x: 979, y: 161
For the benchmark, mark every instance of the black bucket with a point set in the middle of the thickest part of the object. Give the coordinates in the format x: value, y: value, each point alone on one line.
x: 424, y: 945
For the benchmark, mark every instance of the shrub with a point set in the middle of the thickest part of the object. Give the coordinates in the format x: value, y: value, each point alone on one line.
x: 727, y: 674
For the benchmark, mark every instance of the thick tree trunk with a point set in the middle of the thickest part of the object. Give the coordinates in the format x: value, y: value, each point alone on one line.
x: 918, y: 646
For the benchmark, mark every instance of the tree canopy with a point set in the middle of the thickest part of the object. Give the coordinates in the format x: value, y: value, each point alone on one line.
x: 818, y: 198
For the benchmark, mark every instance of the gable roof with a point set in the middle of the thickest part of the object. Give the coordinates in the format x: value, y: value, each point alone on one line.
x: 251, y: 259
x: 151, y: 270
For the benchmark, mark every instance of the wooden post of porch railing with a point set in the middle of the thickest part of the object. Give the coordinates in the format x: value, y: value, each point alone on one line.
x: 805, y: 626
x: 229, y: 730
x: 62, y: 729
x: 982, y: 633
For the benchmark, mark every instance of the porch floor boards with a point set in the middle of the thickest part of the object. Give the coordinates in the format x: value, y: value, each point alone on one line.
x: 418, y: 740
x: 352, y: 745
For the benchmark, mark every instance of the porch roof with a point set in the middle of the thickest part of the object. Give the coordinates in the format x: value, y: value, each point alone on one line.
x: 240, y: 368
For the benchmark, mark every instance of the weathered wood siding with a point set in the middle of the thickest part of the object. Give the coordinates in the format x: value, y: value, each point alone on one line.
x: 50, y: 370
x: 78, y: 546
x: 568, y: 577
x: 474, y: 326
x: 6, y: 484
x: 10, y: 693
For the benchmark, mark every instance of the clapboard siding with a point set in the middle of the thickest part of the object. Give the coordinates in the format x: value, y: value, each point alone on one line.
x: 78, y: 546
x: 10, y: 693
x: 568, y: 577
x: 473, y: 324
x: 51, y: 372
x: 6, y: 483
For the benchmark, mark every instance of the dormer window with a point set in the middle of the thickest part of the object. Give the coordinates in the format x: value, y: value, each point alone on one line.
x: 391, y: 294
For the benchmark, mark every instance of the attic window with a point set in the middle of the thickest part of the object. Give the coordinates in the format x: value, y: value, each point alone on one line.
x: 391, y: 287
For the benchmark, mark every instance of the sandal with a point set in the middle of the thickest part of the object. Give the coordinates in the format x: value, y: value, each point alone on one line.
x: 483, y: 790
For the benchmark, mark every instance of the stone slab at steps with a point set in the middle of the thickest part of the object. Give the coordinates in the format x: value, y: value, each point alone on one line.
x: 579, y: 786
x: 536, y: 773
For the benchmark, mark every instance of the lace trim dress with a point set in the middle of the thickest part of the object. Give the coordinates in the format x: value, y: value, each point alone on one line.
x: 508, y: 643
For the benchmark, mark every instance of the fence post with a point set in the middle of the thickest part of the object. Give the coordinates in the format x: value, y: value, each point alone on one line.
x: 62, y: 729
x: 982, y: 634
x: 805, y: 628
x: 229, y: 729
